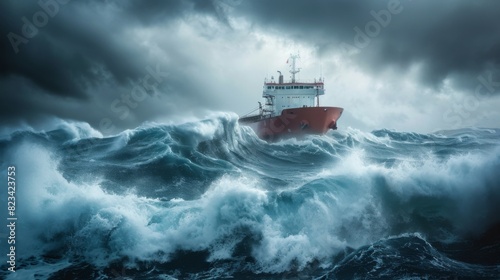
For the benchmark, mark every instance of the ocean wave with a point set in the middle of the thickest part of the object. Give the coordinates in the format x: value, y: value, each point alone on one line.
x: 321, y: 205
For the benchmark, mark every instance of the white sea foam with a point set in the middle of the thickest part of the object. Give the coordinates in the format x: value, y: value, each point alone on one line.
x: 352, y: 202
x: 462, y: 189
x: 104, y: 227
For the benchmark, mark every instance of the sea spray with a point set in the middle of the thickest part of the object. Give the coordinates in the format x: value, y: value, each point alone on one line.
x: 208, y: 199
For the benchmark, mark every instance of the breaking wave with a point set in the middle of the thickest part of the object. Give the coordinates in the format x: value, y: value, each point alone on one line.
x: 208, y: 199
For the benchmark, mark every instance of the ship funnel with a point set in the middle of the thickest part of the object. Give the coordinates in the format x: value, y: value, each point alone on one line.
x: 280, y: 79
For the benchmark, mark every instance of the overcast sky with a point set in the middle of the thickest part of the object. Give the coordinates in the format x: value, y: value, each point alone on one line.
x: 407, y: 65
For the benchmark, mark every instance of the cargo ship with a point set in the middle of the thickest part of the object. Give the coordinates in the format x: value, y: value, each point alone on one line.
x: 292, y: 108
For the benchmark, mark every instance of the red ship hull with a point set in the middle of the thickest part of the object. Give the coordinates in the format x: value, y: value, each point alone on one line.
x: 295, y: 122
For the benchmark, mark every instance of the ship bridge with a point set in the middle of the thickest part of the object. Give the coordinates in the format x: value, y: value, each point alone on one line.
x: 291, y: 94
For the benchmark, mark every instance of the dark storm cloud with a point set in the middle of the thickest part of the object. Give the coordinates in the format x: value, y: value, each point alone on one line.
x: 85, y: 56
x: 77, y: 39
x: 448, y: 39
x: 67, y: 51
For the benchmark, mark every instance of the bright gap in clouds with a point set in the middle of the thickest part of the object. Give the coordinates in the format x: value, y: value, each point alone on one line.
x: 412, y: 76
x: 227, y: 63
x: 394, y: 99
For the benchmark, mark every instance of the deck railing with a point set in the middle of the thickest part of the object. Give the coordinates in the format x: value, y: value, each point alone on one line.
x: 274, y: 82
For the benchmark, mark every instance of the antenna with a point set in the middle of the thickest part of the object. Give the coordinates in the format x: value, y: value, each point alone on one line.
x: 294, y: 70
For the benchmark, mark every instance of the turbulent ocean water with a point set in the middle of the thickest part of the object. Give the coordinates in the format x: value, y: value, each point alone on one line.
x: 207, y: 199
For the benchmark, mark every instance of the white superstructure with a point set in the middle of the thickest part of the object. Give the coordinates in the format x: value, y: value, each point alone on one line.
x: 291, y: 94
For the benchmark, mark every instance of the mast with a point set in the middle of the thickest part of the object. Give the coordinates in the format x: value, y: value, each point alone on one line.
x: 294, y: 70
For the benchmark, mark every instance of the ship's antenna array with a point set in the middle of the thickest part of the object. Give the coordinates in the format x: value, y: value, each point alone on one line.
x: 294, y: 70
